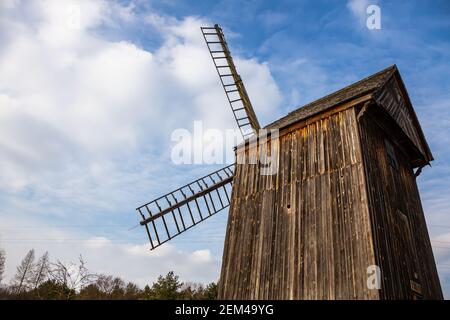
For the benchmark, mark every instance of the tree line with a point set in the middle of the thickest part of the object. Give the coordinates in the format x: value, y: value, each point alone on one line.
x: 46, y: 280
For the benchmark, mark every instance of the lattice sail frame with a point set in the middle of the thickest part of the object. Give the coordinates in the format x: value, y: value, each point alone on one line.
x: 175, y: 212
x: 231, y: 81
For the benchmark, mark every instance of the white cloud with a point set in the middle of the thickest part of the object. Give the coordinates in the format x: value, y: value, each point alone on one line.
x: 85, y: 126
x: 86, y: 97
x: 358, y: 8
x: 273, y: 18
x: 137, y: 263
x: 8, y: 4
x: 98, y: 242
x: 202, y: 256
x: 116, y: 254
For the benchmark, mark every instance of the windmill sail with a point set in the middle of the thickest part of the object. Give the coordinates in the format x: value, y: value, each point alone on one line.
x: 172, y: 214
x: 231, y: 81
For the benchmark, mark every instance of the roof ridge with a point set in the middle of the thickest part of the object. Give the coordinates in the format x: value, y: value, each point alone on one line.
x: 386, y: 71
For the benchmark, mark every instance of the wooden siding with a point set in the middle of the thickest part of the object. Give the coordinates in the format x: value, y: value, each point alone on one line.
x: 391, y: 98
x: 303, y: 233
x: 361, y: 88
x: 401, y: 242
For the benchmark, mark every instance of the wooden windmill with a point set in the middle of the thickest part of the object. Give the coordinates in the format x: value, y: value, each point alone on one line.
x: 344, y: 197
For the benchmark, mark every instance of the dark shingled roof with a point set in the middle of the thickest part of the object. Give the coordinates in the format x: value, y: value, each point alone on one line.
x: 353, y: 91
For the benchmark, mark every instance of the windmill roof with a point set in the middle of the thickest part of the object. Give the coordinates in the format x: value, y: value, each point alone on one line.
x: 348, y: 93
x: 369, y: 85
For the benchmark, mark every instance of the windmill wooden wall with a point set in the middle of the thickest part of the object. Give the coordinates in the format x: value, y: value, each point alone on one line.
x: 402, y: 245
x: 334, y: 207
x: 305, y: 232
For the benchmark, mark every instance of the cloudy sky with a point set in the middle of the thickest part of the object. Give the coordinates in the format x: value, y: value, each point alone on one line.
x: 90, y: 92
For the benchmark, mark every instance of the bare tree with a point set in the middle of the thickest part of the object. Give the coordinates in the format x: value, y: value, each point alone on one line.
x: 2, y: 264
x: 109, y: 285
x: 132, y: 291
x: 24, y: 274
x: 72, y: 276
x: 192, y: 290
x: 41, y: 270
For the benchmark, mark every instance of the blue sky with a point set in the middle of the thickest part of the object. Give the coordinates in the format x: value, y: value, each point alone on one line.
x: 91, y: 91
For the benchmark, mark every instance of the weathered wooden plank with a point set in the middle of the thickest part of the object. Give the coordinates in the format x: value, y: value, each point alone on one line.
x: 311, y: 230
x: 390, y: 191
